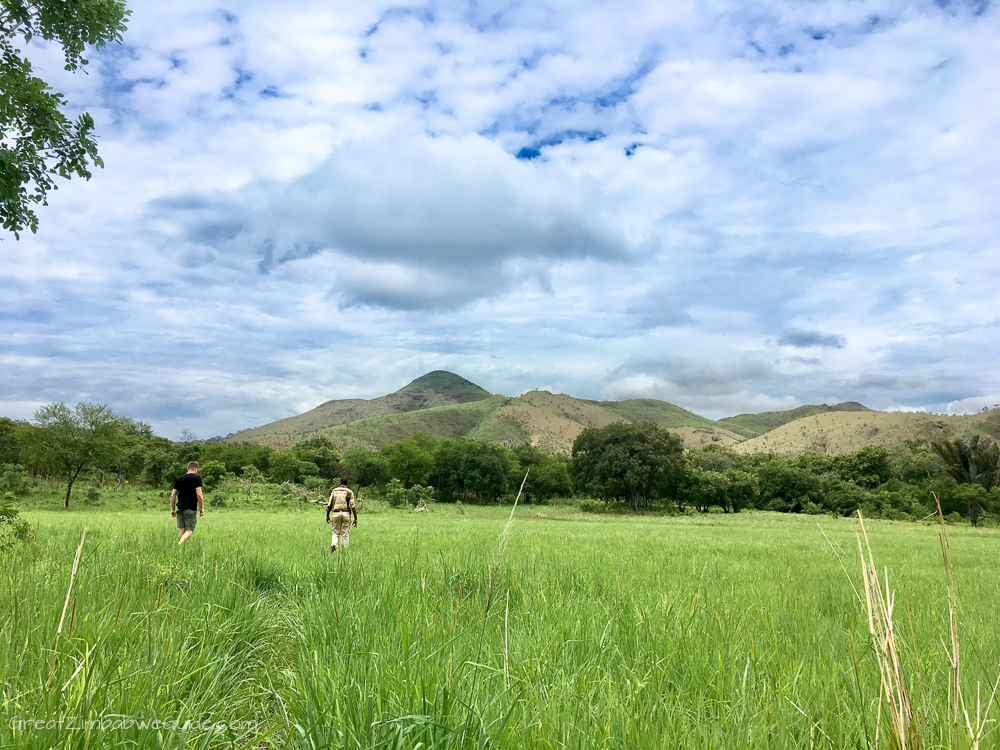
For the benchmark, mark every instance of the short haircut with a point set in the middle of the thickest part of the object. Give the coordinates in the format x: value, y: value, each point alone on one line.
x: 343, y: 482
x: 192, y: 465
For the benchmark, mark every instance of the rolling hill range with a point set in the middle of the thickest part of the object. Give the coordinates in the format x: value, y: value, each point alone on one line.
x: 847, y: 431
x: 447, y: 405
x: 443, y: 404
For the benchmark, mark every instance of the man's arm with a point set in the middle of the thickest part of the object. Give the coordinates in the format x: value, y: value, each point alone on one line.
x: 201, y: 502
x: 329, y: 505
x: 173, y: 502
x: 354, y: 511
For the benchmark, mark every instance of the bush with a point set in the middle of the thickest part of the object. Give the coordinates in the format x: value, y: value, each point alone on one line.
x: 13, y: 480
x: 592, y: 506
x: 92, y: 496
x: 13, y: 528
x: 212, y: 473
x: 812, y: 508
x: 315, y: 483
x: 395, y: 495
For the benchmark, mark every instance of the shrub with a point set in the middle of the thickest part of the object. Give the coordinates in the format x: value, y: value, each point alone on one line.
x: 812, y: 508
x: 592, y: 506
x: 13, y: 479
x: 212, y: 473
x: 92, y: 496
x: 315, y: 483
x: 395, y: 495
x: 13, y: 528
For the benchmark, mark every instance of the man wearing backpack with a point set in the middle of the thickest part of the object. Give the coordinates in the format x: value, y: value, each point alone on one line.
x: 338, y: 513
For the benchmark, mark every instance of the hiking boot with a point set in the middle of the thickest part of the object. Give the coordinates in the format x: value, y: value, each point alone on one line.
x: 333, y: 547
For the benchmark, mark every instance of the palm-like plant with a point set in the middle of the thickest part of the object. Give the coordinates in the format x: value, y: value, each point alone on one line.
x: 970, y: 460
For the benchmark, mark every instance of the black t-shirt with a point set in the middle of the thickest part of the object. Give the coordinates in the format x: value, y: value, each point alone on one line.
x: 187, y: 496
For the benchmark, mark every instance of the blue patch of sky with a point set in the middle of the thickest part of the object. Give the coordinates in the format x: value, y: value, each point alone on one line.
x: 426, y: 98
x: 534, y: 150
x: 424, y: 15
x: 531, y: 62
x: 243, y: 77
x: 623, y: 88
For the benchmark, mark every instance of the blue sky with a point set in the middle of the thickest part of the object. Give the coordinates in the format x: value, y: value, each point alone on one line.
x: 731, y: 206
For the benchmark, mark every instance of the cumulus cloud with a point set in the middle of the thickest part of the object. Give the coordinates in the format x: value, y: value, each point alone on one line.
x: 974, y: 404
x: 313, y: 202
x: 711, y: 388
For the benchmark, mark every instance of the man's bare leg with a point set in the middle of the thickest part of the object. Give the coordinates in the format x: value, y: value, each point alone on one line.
x: 180, y: 535
x: 185, y: 535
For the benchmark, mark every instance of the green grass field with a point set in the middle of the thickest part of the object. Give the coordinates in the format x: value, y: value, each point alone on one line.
x: 604, y: 632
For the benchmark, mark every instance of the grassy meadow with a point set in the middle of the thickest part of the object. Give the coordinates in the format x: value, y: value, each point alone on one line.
x: 718, y: 631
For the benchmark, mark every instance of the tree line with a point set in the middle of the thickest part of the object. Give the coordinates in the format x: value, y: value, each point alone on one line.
x: 634, y: 465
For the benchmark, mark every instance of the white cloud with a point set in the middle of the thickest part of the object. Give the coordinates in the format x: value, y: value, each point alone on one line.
x: 709, y: 180
x: 974, y: 404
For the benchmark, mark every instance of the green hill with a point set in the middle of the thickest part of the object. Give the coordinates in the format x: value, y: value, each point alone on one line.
x: 652, y: 410
x: 456, y: 420
x: 444, y: 404
x: 752, y: 425
x: 448, y: 385
x: 438, y: 388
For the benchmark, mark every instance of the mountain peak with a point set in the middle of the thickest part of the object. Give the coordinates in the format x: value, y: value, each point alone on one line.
x: 448, y: 384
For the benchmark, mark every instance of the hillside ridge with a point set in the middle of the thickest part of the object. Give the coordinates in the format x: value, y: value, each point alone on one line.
x: 444, y: 404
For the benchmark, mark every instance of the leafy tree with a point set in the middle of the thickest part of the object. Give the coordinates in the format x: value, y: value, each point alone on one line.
x: 234, y: 455
x: 627, y: 461
x: 868, y: 467
x: 211, y: 473
x: 322, y: 453
x: 741, y: 489
x: 487, y: 471
x: 970, y: 460
x: 916, y: 463
x: 975, y: 499
x: 10, y: 440
x: 705, y: 488
x: 447, y: 475
x: 69, y: 440
x: 713, y: 458
x: 548, y: 476
x: 37, y: 140
x: 363, y: 466
x: 159, y: 455
x: 409, y: 461
x: 785, y: 487
x: 286, y: 467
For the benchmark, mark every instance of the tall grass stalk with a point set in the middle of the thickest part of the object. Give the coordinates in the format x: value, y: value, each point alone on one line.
x: 909, y: 728
x: 958, y: 711
x: 69, y: 593
x: 491, y: 590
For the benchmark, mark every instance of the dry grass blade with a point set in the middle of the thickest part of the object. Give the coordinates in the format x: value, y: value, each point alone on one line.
x: 880, y: 605
x: 62, y: 617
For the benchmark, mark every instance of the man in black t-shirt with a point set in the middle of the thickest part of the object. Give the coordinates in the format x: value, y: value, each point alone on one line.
x: 187, y: 503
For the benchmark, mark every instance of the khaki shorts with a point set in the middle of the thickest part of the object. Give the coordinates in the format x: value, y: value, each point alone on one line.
x: 187, y: 519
